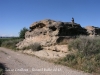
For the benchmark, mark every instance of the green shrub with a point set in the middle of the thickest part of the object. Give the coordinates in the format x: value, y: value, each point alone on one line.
x: 11, y: 43
x: 2, y: 40
x: 88, y: 50
x: 22, y: 32
x: 97, y: 57
x: 86, y: 45
x: 70, y: 58
x: 85, y: 54
x: 88, y: 66
x: 35, y: 47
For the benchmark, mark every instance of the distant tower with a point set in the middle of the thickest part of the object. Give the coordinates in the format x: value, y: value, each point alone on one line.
x: 72, y: 21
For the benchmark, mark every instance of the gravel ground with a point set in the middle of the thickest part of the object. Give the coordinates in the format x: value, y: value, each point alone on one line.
x: 22, y: 64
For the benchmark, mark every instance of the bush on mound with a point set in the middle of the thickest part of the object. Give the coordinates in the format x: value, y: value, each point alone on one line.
x: 85, y: 54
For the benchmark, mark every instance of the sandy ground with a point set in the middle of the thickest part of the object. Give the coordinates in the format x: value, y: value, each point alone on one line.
x: 22, y: 64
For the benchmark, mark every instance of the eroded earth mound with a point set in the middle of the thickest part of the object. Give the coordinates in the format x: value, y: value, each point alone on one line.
x: 49, y: 34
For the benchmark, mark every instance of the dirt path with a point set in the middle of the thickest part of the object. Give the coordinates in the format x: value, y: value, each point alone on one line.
x: 21, y: 64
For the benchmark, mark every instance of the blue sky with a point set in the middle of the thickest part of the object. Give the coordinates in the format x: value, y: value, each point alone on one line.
x: 16, y: 14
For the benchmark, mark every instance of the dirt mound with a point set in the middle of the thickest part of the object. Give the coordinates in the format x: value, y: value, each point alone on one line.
x: 49, y: 33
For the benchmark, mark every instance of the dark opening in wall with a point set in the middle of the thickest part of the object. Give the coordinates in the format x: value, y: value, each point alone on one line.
x: 62, y: 31
x: 53, y: 28
x: 40, y: 25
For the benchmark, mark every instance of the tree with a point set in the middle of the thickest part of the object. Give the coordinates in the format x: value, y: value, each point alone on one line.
x: 22, y: 32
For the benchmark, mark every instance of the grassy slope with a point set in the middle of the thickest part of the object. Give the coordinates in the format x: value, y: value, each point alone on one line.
x: 9, y: 42
x: 85, y: 54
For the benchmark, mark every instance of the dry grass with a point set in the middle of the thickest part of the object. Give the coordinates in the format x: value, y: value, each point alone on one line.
x: 33, y: 47
x: 10, y: 43
x: 85, y: 54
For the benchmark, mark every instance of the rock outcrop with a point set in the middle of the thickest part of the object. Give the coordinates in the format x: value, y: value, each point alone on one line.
x: 49, y: 33
x: 54, y: 28
x: 91, y: 30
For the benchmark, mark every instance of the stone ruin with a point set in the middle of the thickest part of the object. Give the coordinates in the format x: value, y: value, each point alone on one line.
x: 49, y: 32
